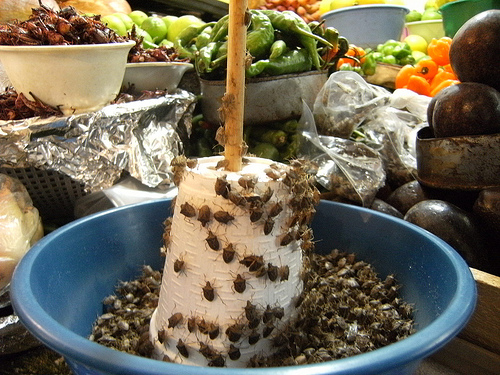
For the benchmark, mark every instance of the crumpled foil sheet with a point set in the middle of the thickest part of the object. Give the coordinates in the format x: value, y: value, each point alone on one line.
x: 14, y: 337
x: 140, y: 137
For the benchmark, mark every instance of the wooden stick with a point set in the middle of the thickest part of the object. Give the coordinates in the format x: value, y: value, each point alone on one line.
x: 234, y: 98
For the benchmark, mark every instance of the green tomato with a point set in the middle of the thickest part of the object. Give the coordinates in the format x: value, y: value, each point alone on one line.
x: 417, y: 55
x: 138, y: 16
x: 168, y: 20
x: 413, y: 16
x: 115, y: 24
x: 180, y: 24
x: 155, y: 27
x: 431, y: 14
x: 127, y: 21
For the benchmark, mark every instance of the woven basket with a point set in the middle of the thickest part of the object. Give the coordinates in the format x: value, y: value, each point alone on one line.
x: 53, y: 193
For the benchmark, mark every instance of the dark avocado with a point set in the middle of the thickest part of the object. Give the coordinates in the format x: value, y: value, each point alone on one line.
x: 475, y: 49
x: 467, y: 108
x: 455, y: 226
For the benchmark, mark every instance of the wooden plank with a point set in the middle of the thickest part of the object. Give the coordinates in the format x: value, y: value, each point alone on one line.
x: 468, y: 359
x: 483, y: 328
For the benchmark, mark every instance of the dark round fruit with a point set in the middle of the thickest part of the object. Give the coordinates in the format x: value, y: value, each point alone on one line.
x: 475, y: 49
x: 453, y: 225
x: 467, y: 108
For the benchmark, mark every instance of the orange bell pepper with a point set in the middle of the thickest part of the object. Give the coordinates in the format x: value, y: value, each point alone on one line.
x: 419, y: 85
x: 426, y: 69
x: 439, y: 50
x: 404, y: 75
x: 441, y: 76
x: 442, y: 85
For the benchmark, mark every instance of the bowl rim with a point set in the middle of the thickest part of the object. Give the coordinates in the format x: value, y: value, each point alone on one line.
x: 366, y: 6
x: 159, y: 64
x: 424, y: 22
x: 54, y: 47
x: 78, y: 349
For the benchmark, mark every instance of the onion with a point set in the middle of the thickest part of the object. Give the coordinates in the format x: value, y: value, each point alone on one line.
x: 104, y: 7
x: 22, y: 9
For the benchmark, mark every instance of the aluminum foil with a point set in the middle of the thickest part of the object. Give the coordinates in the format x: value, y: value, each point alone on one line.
x: 140, y: 137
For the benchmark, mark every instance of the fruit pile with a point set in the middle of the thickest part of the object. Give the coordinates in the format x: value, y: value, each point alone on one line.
x: 471, y: 106
x: 429, y: 76
x: 154, y: 30
x: 307, y: 9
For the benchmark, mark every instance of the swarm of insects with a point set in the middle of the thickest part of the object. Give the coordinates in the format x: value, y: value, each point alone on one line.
x: 345, y: 309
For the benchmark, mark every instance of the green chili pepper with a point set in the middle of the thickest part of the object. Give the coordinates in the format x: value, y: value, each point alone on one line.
x: 185, y: 43
x: 261, y: 34
x: 220, y: 29
x: 204, y: 57
x: 369, y: 65
x: 256, y: 68
x: 277, y: 49
x: 294, y: 61
x: 202, y: 39
x: 290, y: 22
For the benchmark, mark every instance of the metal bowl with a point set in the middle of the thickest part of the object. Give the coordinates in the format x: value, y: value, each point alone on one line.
x: 267, y: 99
x: 469, y: 162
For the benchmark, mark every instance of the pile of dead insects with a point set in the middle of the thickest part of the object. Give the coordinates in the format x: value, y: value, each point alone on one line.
x: 344, y: 310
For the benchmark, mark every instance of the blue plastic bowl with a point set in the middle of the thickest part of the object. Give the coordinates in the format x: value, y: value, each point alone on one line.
x: 366, y: 26
x: 58, y: 286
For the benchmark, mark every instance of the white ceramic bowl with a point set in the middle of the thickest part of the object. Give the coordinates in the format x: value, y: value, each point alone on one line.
x: 154, y: 75
x: 428, y: 29
x: 368, y: 25
x: 75, y: 78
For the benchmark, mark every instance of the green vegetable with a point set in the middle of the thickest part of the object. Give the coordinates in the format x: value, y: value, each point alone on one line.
x: 289, y: 126
x: 266, y: 150
x: 389, y: 59
x: 294, y: 61
x: 220, y: 29
x: 277, y: 49
x: 369, y: 66
x: 290, y: 22
x: 277, y: 138
x: 260, y: 36
x: 185, y: 42
x: 205, y: 56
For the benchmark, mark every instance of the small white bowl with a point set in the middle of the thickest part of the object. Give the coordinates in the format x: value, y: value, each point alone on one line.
x: 75, y: 78
x: 154, y: 75
x: 427, y: 29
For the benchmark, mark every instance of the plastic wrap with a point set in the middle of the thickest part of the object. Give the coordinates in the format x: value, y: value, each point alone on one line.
x: 350, y: 170
x: 20, y: 227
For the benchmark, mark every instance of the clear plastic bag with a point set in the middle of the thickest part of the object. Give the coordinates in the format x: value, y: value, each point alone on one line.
x: 20, y: 226
x: 392, y: 130
x: 350, y: 170
x: 344, y: 102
